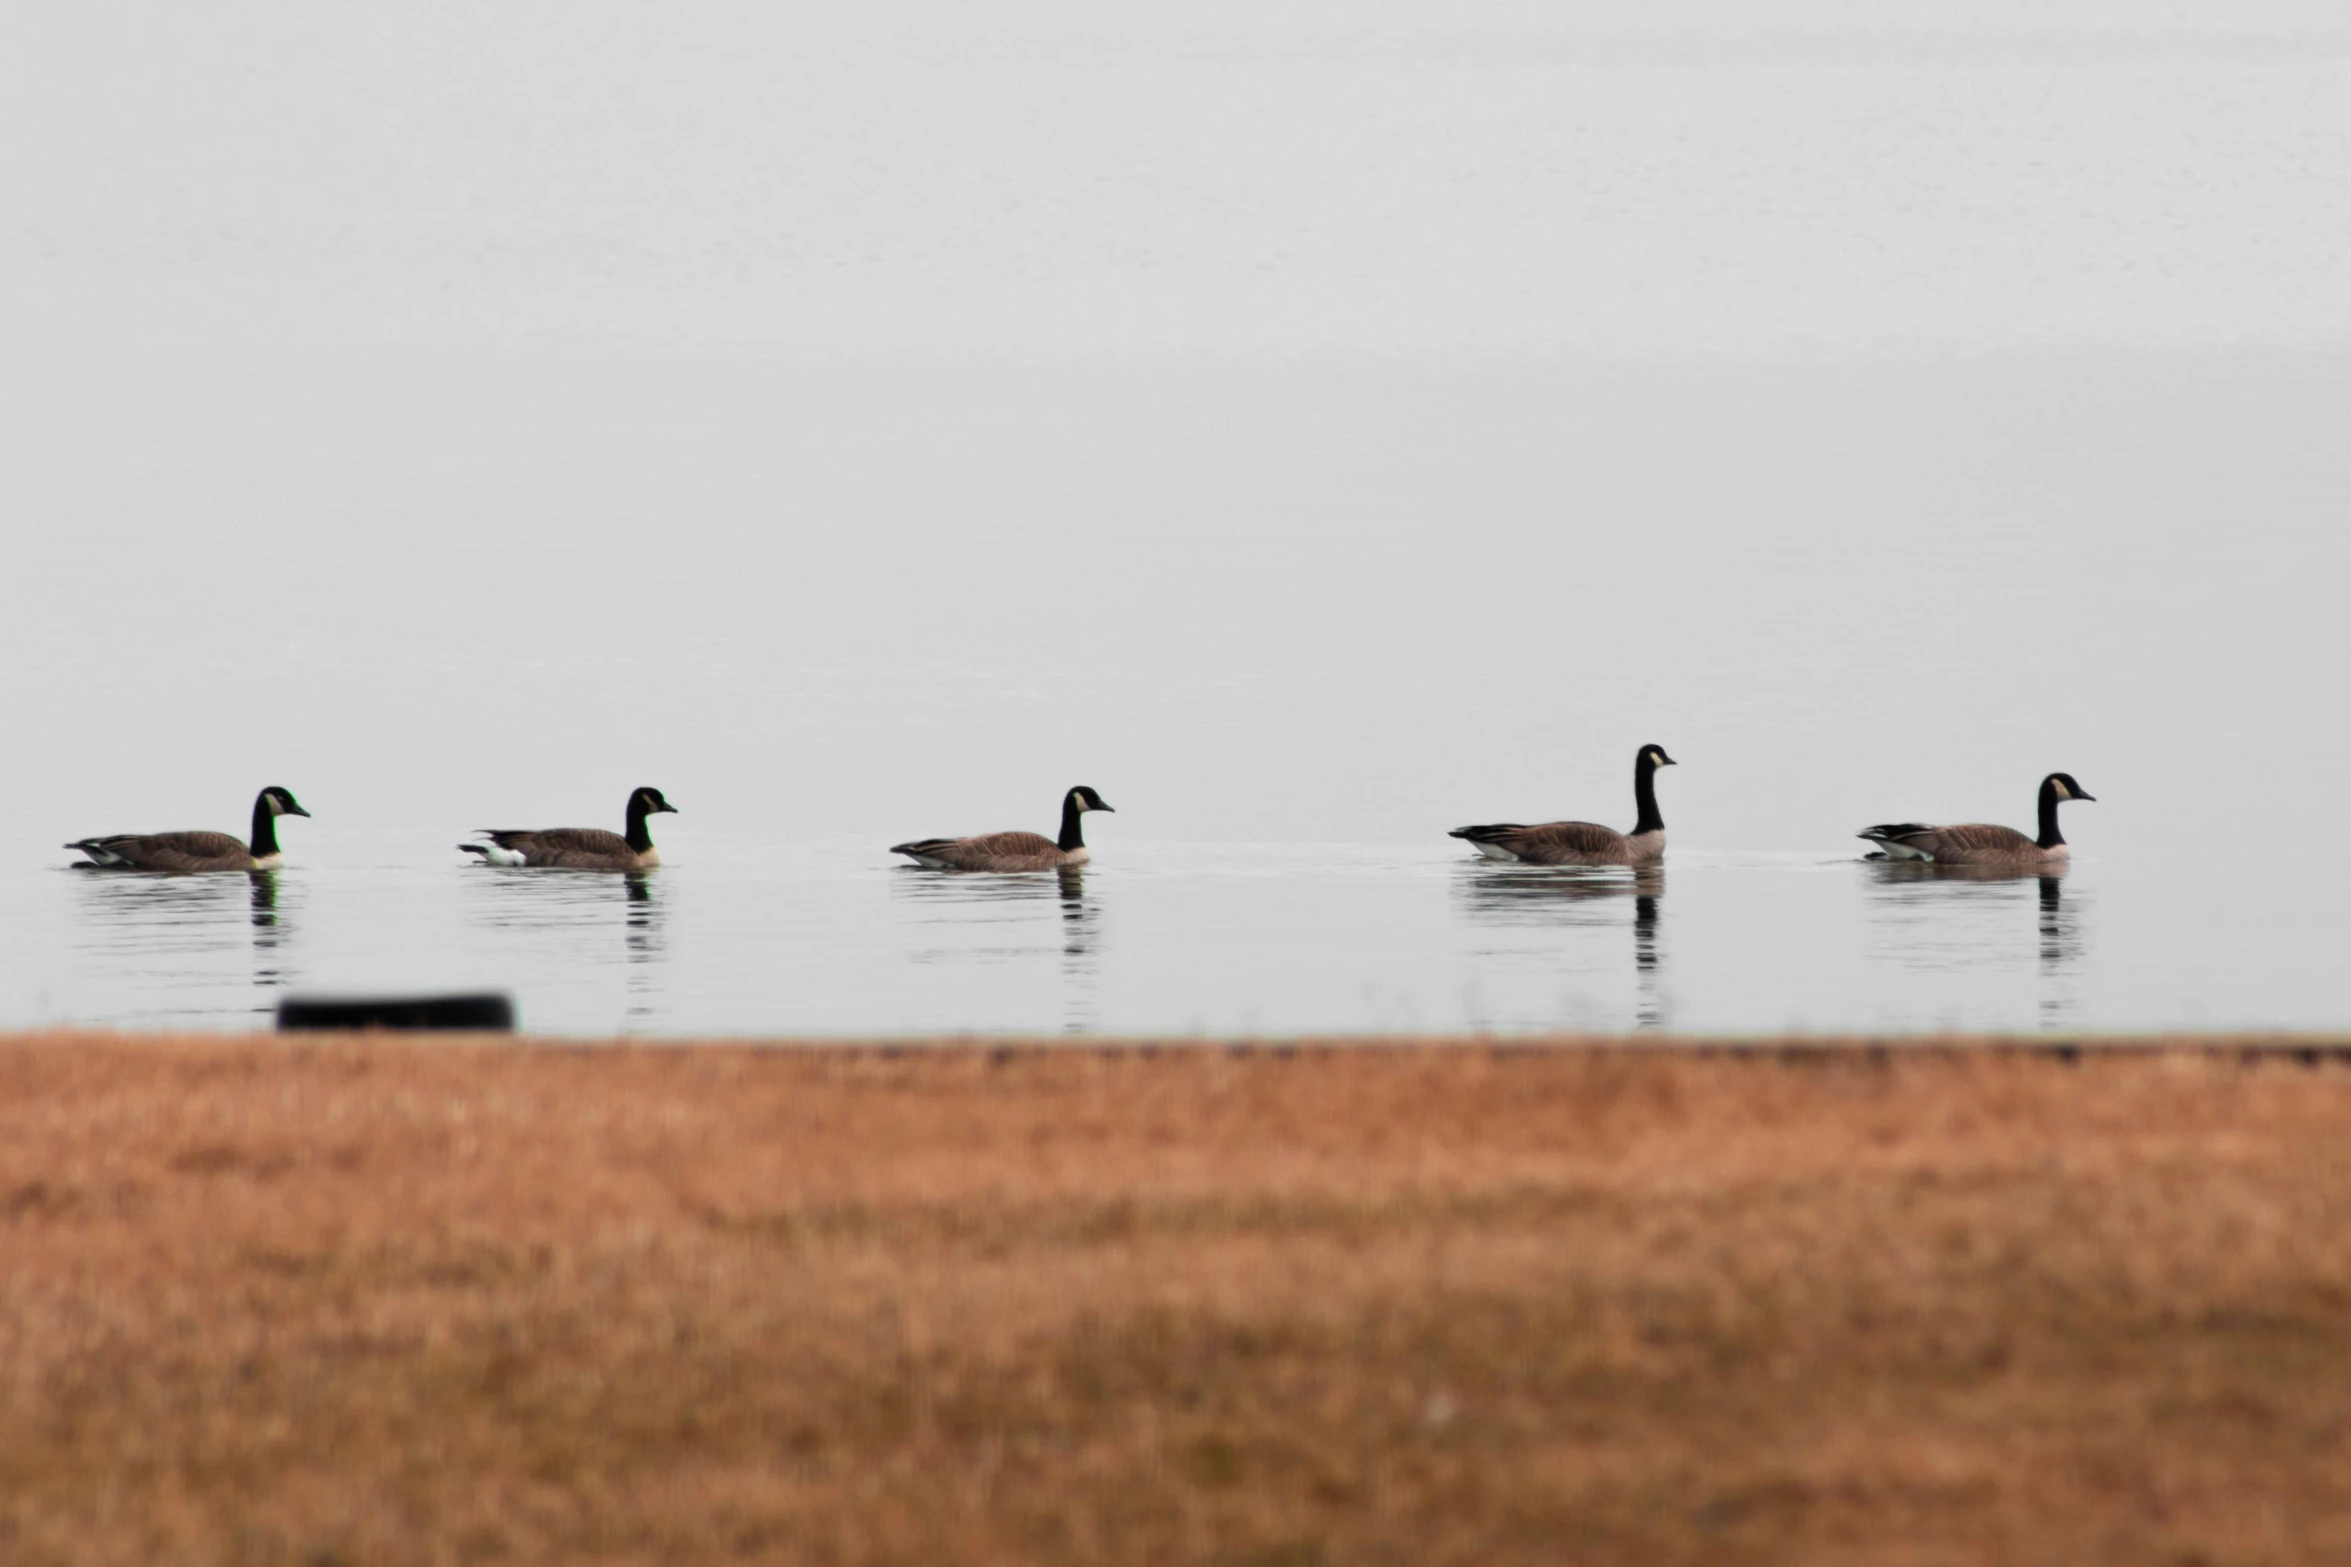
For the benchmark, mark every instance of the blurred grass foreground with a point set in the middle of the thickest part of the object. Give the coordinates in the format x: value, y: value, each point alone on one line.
x: 357, y: 1301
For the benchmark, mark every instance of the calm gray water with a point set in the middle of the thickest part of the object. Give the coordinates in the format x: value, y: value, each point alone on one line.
x: 823, y: 936
x: 1314, y: 430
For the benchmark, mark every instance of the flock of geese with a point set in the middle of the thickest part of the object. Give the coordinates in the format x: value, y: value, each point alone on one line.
x: 1975, y: 846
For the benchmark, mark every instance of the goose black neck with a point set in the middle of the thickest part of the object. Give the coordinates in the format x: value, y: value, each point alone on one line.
x: 640, y: 839
x: 265, y: 828
x: 2050, y: 837
x: 1073, y: 835
x: 1645, y: 796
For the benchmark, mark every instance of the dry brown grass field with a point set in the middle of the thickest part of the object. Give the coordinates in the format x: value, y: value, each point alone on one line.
x: 357, y: 1301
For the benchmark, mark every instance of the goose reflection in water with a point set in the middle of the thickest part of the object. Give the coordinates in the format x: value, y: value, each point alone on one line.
x: 2061, y: 949
x: 648, y: 941
x: 192, y: 918
x: 1080, y: 971
x: 586, y: 904
x: 960, y: 898
x: 1553, y: 895
x: 1550, y: 896
x: 1900, y: 884
x: 2061, y: 937
x: 269, y: 936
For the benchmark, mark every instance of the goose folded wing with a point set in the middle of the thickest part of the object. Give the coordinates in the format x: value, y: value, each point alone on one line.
x: 1979, y: 838
x: 180, y: 851
x: 1565, y: 838
x: 998, y: 850
x: 1489, y: 832
x: 562, y: 845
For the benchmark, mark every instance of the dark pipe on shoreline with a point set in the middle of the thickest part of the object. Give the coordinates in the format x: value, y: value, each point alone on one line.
x: 487, y: 1011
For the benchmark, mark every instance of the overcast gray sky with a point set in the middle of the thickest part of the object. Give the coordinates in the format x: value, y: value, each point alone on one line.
x: 524, y: 387
x: 1072, y: 177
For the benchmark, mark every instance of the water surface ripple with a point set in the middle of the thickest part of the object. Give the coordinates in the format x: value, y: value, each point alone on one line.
x: 830, y: 938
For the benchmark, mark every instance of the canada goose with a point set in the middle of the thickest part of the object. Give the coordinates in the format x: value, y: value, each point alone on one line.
x: 185, y: 853
x: 1012, y: 851
x: 1584, y: 843
x: 1979, y: 845
x: 579, y: 848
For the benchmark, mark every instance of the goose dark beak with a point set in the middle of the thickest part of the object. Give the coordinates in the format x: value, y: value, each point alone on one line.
x: 1106, y: 806
x: 296, y: 810
x: 2093, y: 799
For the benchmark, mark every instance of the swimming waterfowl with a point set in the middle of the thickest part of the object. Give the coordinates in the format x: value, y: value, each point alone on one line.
x: 579, y: 848
x: 1584, y: 843
x: 1980, y: 845
x: 1012, y: 851
x: 188, y: 853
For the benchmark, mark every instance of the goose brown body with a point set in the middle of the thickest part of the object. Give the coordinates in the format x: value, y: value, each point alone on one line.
x: 1013, y: 851
x: 994, y: 851
x: 1583, y: 843
x: 196, y: 852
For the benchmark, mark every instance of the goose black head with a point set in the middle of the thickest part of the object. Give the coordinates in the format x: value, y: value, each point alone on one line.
x: 1654, y: 756
x: 1086, y: 799
x: 282, y: 802
x: 649, y: 800
x: 2064, y: 788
